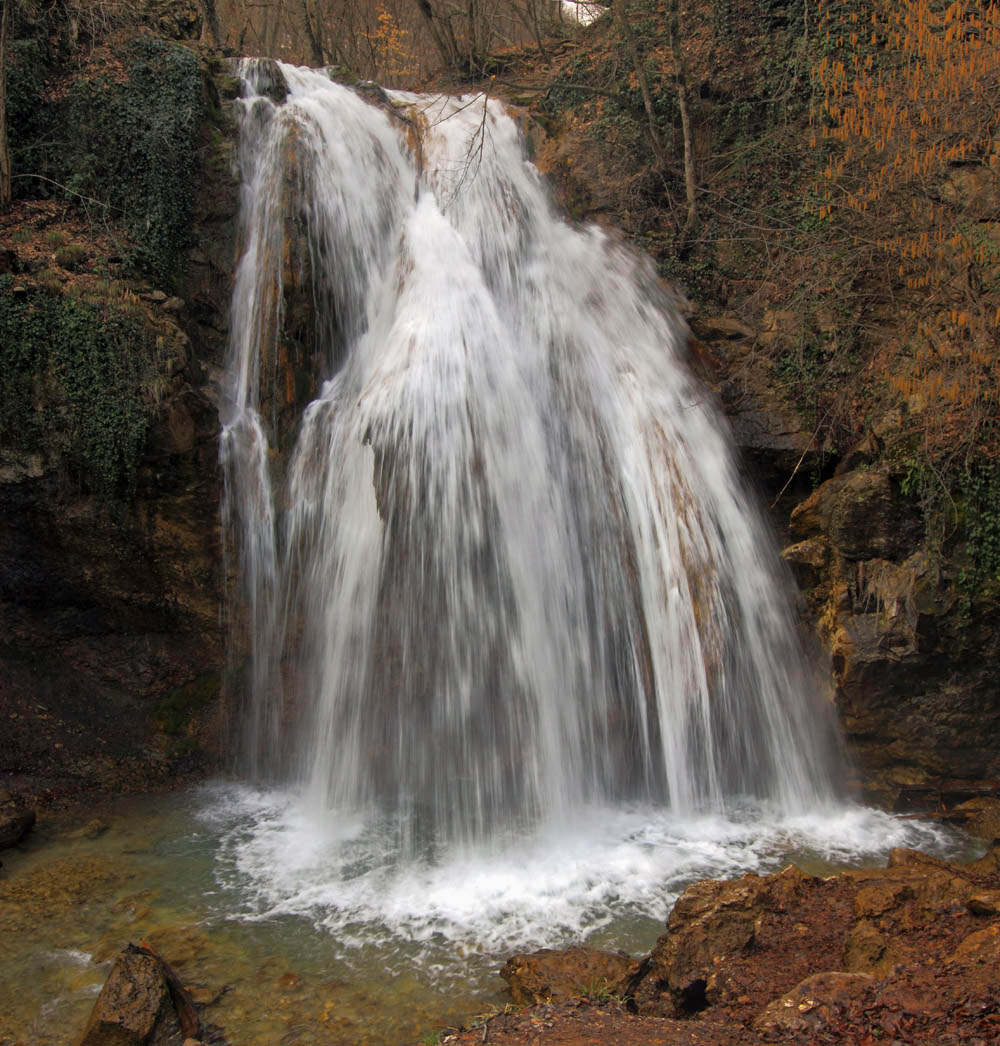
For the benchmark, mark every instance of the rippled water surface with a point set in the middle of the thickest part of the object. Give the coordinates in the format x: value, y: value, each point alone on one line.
x: 299, y: 928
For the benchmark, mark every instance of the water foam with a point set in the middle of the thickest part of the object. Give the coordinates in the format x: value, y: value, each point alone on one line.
x: 610, y: 875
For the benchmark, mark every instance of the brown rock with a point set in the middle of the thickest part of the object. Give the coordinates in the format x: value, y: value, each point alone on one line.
x: 982, y: 818
x: 716, y: 328
x: 985, y: 902
x: 864, y: 949
x: 808, y: 559
x: 809, y: 1006
x: 712, y: 921
x: 551, y: 974
x: 134, y: 998
x: 983, y: 946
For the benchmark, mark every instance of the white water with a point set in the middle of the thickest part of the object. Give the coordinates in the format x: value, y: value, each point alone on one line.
x: 509, y: 607
x: 608, y: 878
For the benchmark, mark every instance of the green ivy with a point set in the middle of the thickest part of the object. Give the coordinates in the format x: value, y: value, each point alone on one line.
x: 135, y: 147
x: 73, y: 379
x: 126, y: 151
x: 978, y: 490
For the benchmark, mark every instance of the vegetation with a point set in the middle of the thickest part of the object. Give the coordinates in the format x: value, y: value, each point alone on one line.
x: 73, y: 373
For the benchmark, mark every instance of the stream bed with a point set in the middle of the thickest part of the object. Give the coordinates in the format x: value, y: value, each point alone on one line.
x: 294, y: 928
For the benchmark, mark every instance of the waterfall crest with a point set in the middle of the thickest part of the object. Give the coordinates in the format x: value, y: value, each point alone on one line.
x: 496, y: 561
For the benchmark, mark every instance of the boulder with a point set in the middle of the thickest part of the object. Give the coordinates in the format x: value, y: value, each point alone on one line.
x: 14, y: 825
x: 809, y: 1006
x: 861, y: 515
x: 551, y: 974
x: 712, y: 922
x: 981, y: 818
x: 134, y: 999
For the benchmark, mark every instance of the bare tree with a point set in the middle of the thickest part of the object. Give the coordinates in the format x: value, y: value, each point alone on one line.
x: 690, y: 176
x: 5, y: 169
x: 210, y: 23
x: 623, y: 16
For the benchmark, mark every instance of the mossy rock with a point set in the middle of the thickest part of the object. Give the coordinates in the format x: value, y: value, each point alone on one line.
x: 179, y: 708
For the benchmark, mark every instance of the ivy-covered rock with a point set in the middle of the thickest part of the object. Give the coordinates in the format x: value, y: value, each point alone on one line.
x: 73, y: 383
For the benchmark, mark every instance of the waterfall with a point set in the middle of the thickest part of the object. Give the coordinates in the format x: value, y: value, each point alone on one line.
x: 494, y: 556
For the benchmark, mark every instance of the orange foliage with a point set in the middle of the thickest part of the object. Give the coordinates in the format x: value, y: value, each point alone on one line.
x: 907, y: 95
x: 391, y: 49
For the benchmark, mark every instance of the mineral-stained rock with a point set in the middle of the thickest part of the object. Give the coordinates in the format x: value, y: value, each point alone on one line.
x: 809, y: 1006
x: 864, y: 948
x: 980, y: 947
x: 134, y: 998
x: 862, y: 516
x: 761, y: 959
x: 559, y: 974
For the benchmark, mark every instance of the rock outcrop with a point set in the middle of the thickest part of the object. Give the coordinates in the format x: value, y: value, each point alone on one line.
x: 110, y: 598
x: 910, y: 952
x: 917, y: 699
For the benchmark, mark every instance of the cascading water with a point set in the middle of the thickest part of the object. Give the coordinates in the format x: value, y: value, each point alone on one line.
x: 509, y: 567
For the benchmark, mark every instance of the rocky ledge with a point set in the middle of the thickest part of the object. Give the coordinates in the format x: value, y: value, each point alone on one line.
x: 909, y: 953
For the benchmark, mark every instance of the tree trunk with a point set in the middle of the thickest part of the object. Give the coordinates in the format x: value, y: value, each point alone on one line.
x: 623, y: 16
x: 315, y: 47
x: 690, y: 176
x: 210, y: 23
x: 5, y: 172
x: 442, y: 35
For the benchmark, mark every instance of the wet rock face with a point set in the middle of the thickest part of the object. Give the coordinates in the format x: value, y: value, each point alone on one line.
x: 918, y: 706
x: 107, y: 606
x: 14, y: 824
x: 110, y: 603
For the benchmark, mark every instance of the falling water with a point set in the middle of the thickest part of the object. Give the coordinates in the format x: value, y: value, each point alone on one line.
x: 495, y: 559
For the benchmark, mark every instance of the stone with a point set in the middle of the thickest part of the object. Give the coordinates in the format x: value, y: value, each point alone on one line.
x: 711, y: 922
x: 714, y: 328
x: 981, y: 818
x: 985, y: 902
x: 864, y: 949
x: 780, y: 325
x: 157, y: 296
x: 14, y: 825
x: 174, y: 305
x: 982, y: 946
x: 93, y: 829
x: 809, y: 1006
x: 133, y: 1000
x: 808, y: 559
x: 554, y: 974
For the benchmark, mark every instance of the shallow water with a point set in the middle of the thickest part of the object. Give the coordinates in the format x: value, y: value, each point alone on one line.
x: 296, y: 929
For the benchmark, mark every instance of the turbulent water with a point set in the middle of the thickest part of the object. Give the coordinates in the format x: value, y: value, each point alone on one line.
x: 508, y: 569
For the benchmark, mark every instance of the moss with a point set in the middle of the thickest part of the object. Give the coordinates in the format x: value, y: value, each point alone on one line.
x: 178, y: 707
